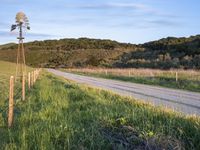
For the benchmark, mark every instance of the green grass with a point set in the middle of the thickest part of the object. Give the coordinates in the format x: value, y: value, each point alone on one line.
x: 7, y: 69
x: 185, y: 82
x: 59, y: 114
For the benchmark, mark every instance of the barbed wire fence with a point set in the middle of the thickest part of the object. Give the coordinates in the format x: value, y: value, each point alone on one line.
x: 14, y: 88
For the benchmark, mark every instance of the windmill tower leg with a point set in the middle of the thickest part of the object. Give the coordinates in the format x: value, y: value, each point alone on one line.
x: 21, y: 67
x: 17, y: 65
x: 23, y: 59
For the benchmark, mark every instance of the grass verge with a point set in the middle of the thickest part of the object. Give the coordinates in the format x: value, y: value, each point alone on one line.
x: 59, y: 114
x: 185, y: 83
x: 8, y: 69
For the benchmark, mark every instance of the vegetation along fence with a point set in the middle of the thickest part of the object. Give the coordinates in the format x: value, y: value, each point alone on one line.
x: 176, y: 78
x: 13, y: 89
x: 150, y: 73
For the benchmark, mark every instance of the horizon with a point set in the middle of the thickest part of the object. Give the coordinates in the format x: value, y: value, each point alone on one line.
x: 129, y: 21
x: 98, y: 39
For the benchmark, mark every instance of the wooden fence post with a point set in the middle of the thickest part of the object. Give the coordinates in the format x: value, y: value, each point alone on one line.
x: 23, y: 86
x: 11, y: 102
x: 36, y: 74
x: 29, y: 80
x: 129, y: 73
x: 176, y: 76
x: 33, y: 77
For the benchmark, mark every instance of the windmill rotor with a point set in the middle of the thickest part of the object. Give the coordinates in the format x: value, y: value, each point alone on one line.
x: 21, y: 22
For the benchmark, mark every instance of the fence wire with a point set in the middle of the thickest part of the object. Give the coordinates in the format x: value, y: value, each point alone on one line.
x: 4, y: 92
x: 18, y: 90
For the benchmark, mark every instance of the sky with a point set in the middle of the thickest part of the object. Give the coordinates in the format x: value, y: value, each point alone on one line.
x: 132, y: 21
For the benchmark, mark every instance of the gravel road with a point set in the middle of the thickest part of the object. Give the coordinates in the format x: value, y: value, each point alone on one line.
x: 179, y: 100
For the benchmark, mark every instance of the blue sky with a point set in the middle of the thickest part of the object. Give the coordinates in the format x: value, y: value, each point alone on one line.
x: 134, y: 21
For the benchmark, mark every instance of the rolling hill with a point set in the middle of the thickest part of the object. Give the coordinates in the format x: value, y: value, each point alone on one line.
x: 5, y: 46
x: 69, y: 52
x: 165, y: 53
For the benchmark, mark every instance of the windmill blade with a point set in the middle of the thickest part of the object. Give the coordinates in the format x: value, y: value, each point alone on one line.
x: 13, y: 27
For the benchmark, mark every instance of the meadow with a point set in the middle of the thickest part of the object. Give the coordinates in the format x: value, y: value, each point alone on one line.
x: 178, y: 79
x: 60, y: 114
x: 8, y: 69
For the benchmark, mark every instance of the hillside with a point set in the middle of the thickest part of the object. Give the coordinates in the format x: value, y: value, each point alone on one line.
x: 164, y: 54
x: 69, y: 52
x: 5, y: 46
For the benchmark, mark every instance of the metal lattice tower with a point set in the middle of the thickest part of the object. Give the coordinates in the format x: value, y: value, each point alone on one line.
x: 21, y: 23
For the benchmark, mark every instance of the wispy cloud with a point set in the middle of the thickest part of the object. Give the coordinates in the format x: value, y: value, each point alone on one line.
x: 3, y: 24
x: 128, y: 13
x: 4, y: 34
x: 133, y: 6
x: 39, y: 35
x: 161, y: 22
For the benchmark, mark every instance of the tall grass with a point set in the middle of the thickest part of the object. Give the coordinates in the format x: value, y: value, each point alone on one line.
x: 187, y: 79
x: 59, y: 114
x: 7, y: 69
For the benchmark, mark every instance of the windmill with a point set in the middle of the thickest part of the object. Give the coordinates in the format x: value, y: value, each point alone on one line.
x: 21, y: 23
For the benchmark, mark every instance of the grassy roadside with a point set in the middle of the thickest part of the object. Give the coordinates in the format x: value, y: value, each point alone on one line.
x: 59, y: 114
x: 8, y: 69
x: 184, y: 83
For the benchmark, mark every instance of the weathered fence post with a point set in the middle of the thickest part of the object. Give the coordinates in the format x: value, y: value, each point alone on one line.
x: 11, y: 102
x: 23, y: 86
x: 29, y: 80
x: 37, y: 74
x: 34, y: 76
x: 176, y: 76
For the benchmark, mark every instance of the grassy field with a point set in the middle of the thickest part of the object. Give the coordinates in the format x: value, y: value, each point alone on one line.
x: 60, y: 114
x: 187, y: 79
x: 7, y: 70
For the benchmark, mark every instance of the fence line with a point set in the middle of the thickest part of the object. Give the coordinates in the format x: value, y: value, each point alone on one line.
x: 176, y: 74
x: 19, y: 92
